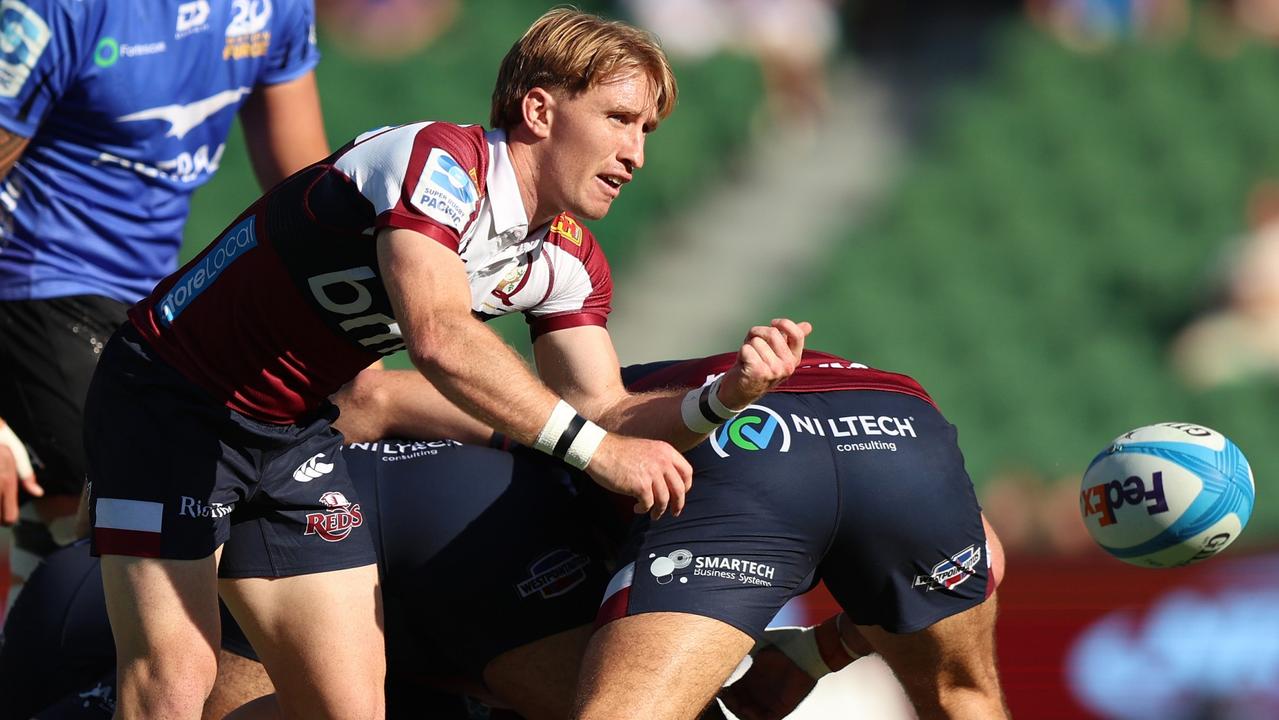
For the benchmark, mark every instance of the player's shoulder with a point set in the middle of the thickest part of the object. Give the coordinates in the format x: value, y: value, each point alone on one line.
x: 37, y: 17
x: 570, y: 235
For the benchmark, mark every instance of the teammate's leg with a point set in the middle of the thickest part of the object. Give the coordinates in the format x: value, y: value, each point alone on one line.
x: 538, y: 679
x: 948, y: 669
x: 164, y: 617
x: 48, y: 351
x: 320, y: 638
x: 240, y: 680
x: 657, y: 665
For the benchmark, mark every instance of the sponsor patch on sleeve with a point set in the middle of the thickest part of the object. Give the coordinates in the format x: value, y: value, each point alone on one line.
x: 445, y: 192
x: 23, y: 38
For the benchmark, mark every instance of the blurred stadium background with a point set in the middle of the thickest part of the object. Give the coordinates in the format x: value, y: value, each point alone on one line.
x: 1061, y: 216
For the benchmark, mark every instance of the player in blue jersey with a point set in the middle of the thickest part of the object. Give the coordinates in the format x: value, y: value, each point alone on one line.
x: 112, y: 112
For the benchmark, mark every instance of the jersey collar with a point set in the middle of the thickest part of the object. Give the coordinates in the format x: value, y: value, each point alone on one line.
x: 509, y: 220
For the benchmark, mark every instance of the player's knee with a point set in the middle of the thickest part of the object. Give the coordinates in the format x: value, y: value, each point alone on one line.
x: 172, y: 685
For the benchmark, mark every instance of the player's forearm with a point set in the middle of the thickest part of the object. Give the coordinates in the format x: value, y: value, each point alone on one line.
x: 655, y: 415
x: 475, y: 370
x: 402, y: 404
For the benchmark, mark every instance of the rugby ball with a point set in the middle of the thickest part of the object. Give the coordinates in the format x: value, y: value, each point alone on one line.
x: 1167, y: 495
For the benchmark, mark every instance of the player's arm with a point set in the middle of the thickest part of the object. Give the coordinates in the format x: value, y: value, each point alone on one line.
x: 477, y: 371
x: 11, y: 148
x: 284, y: 129
x: 402, y: 404
x: 581, y: 364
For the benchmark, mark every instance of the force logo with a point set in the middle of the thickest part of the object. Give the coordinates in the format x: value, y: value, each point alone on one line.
x: 755, y: 428
x: 554, y: 574
x: 953, y: 572
x: 337, y: 521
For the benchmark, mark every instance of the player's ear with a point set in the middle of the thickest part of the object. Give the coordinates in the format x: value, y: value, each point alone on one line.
x: 538, y: 108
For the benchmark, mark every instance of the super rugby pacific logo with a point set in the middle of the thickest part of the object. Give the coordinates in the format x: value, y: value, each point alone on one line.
x: 755, y: 428
x: 337, y: 521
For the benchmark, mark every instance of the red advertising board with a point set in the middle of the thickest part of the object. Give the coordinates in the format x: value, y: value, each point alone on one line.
x: 1090, y: 637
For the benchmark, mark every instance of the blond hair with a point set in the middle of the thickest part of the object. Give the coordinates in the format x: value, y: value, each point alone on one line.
x: 572, y: 51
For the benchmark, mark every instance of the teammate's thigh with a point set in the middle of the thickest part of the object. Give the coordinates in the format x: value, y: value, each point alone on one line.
x: 48, y: 350
x: 658, y: 666
x: 538, y: 679
x: 164, y: 618
x: 909, y: 548
x: 240, y: 680
x: 319, y: 636
x: 948, y: 669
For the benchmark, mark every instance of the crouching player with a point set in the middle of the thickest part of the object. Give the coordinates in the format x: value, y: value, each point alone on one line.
x: 842, y: 474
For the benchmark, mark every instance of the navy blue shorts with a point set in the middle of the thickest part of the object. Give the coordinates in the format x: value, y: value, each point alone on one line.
x: 865, y: 490
x: 481, y: 551
x: 172, y: 472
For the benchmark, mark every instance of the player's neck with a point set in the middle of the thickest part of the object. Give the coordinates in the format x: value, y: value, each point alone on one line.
x: 524, y: 159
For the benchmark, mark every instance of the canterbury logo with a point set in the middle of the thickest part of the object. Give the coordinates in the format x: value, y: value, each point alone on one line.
x: 312, y: 469
x: 183, y: 119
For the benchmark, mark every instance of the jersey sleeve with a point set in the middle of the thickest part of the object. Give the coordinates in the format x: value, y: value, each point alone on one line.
x: 581, y: 290
x: 43, y: 44
x: 442, y: 185
x: 293, y: 50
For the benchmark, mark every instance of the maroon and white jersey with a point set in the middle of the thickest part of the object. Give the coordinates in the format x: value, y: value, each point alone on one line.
x: 817, y: 372
x: 288, y: 303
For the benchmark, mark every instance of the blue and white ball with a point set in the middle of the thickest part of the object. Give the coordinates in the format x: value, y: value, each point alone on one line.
x: 1167, y: 495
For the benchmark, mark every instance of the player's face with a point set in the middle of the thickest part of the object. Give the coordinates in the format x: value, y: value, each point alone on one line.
x: 599, y: 141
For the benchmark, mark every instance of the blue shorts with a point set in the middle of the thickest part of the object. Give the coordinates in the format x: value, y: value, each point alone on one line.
x: 481, y: 551
x: 172, y: 472
x: 864, y: 490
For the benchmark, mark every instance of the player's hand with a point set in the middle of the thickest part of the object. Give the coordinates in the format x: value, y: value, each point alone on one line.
x: 771, y: 689
x: 15, y: 473
x: 768, y: 356
x: 651, y: 471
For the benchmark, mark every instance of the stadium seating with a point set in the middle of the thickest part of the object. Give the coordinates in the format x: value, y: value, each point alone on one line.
x: 1060, y: 223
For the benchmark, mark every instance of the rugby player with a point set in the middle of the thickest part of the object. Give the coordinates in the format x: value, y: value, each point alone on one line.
x: 112, y: 113
x: 214, y: 395
x: 492, y: 566
x: 843, y: 474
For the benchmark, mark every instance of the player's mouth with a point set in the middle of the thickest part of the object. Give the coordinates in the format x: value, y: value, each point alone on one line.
x: 612, y: 183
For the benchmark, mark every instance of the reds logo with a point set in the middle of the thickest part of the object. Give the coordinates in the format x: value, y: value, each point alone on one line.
x: 337, y: 521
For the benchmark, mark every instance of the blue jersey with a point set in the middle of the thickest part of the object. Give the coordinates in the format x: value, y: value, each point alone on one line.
x: 127, y: 104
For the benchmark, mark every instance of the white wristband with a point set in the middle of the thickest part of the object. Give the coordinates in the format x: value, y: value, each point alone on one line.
x: 569, y: 436
x: 20, y: 457
x: 555, y: 426
x: 703, y: 411
x: 584, y: 445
